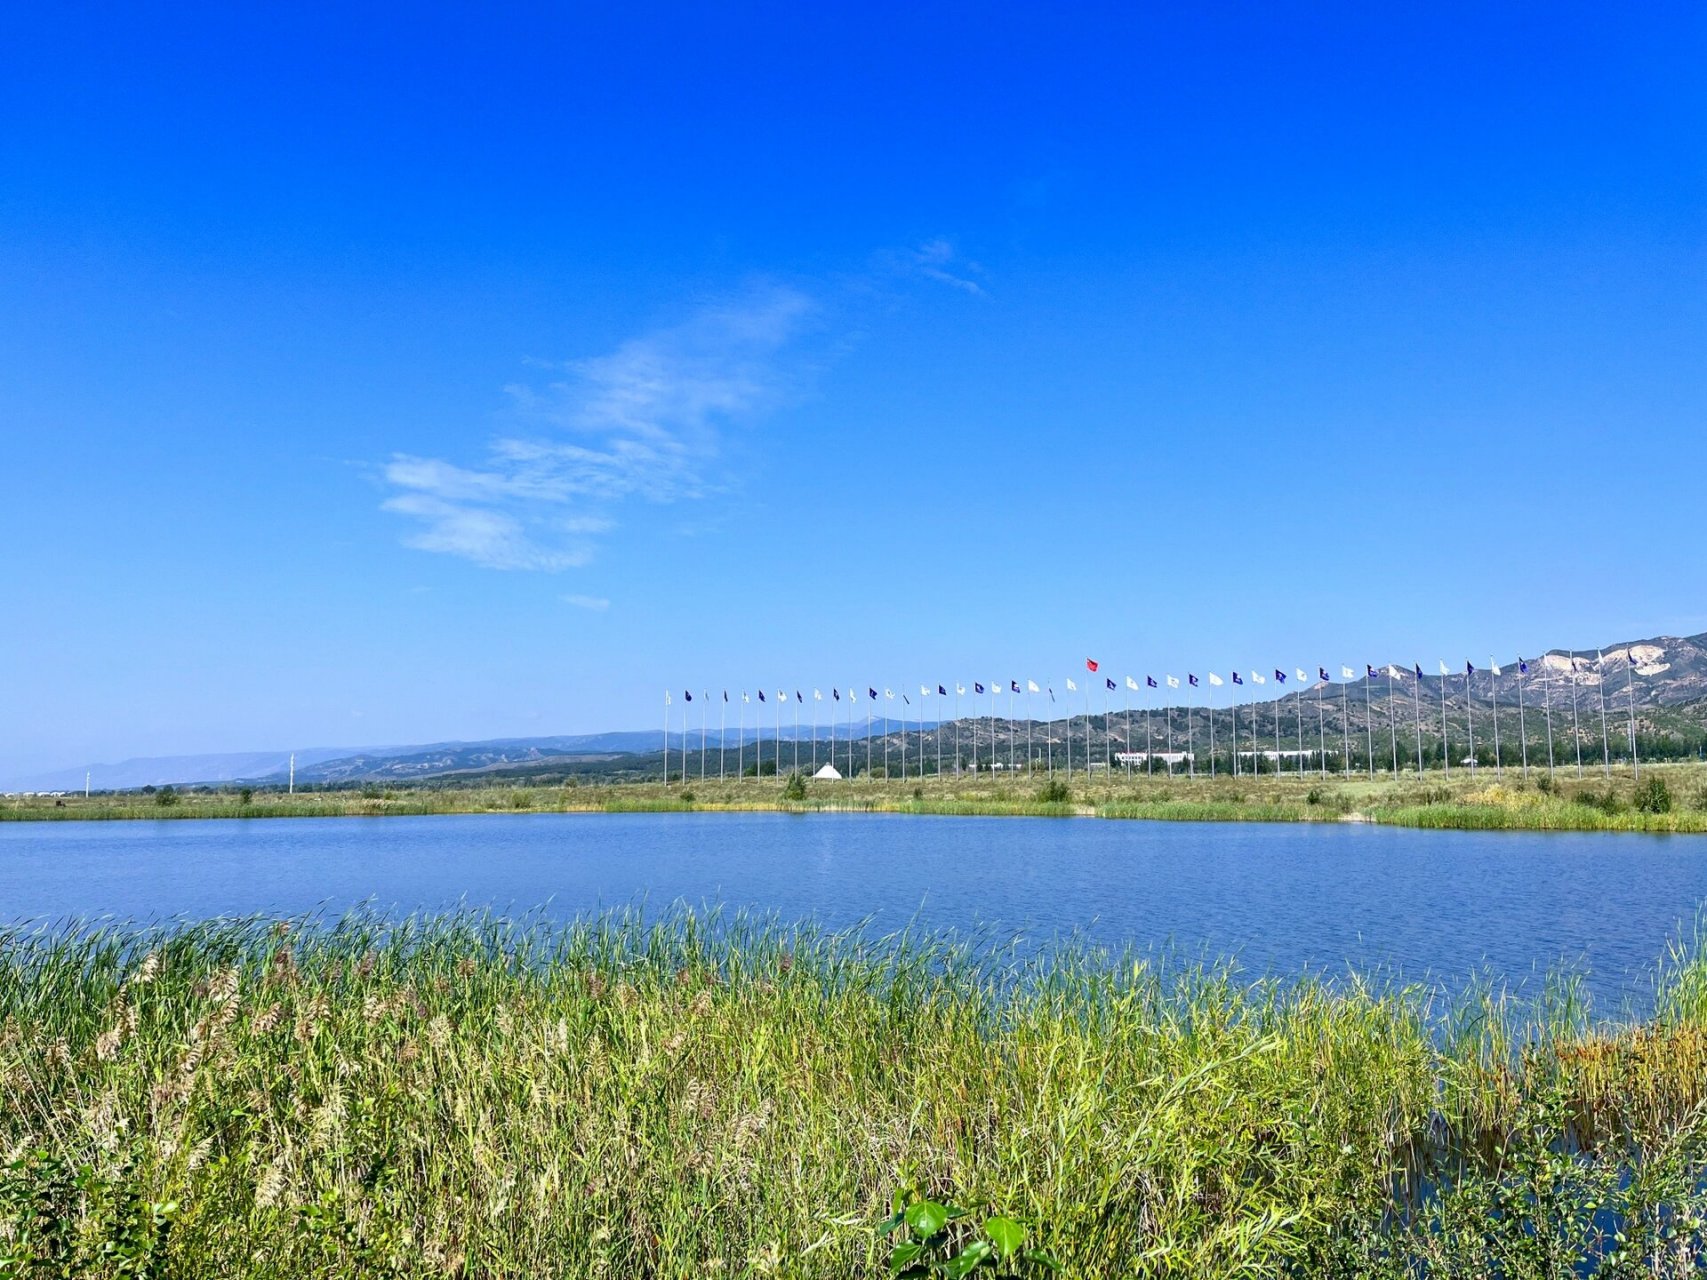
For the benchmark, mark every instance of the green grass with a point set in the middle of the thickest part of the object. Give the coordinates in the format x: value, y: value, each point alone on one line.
x: 473, y: 1096
x: 1481, y: 802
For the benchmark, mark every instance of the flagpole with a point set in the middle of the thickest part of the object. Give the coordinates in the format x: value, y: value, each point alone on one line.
x: 1256, y: 762
x: 741, y: 738
x: 666, y: 737
x: 1149, y: 734
x: 1028, y: 719
x: 704, y: 694
x: 1494, y: 695
x: 1190, y: 754
x: 1345, y: 719
x: 957, y: 755
x: 1470, y: 714
x: 1630, y: 693
x: 1087, y: 731
x: 1576, y: 723
x: 1522, y: 723
x: 1067, y: 736
x: 797, y: 701
x: 1393, y: 720
x: 1605, y: 740
x: 1369, y: 717
x: 1321, y: 731
x: 722, y: 735
x: 779, y: 734
x: 1235, y: 696
x: 1445, y: 741
x: 1129, y: 735
x: 1302, y: 752
x: 1417, y: 707
x: 1211, y: 705
x: 1547, y: 710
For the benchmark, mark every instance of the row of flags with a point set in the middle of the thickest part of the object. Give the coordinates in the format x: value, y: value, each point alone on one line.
x: 980, y: 689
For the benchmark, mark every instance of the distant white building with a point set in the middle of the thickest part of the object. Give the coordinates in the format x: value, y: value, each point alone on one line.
x: 828, y: 773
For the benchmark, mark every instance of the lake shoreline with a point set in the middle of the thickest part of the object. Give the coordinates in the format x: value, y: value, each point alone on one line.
x: 1669, y: 799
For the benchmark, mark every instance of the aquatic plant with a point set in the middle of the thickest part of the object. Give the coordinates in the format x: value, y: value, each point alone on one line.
x: 470, y: 1094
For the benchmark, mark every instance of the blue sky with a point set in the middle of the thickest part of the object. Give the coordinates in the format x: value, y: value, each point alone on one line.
x: 401, y: 375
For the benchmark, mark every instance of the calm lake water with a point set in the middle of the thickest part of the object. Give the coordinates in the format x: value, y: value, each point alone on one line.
x: 1281, y: 898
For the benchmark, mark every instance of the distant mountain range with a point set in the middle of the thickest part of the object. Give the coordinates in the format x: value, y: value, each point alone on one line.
x: 1664, y: 690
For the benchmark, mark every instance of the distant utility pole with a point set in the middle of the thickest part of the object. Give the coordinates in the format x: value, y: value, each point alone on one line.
x: 292, y: 773
x: 85, y: 785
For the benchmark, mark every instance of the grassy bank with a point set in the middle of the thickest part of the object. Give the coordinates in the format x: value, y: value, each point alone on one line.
x: 1666, y: 798
x: 465, y: 1096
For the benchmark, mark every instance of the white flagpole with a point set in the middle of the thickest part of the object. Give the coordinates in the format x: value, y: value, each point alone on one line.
x: 1190, y: 755
x: 1630, y: 693
x: 1576, y: 723
x: 722, y: 736
x: 1417, y: 707
x: 1299, y: 707
x: 1128, y: 751
x: 1445, y: 741
x: 703, y: 695
x: 1547, y: 709
x: 1522, y: 723
x: 741, y: 738
x: 1211, y: 705
x: 1369, y: 717
x: 1470, y: 718
x: 1149, y: 734
x: 779, y: 697
x: 1321, y: 730
x: 1028, y: 719
x: 666, y: 737
x: 1235, y: 697
x: 1392, y: 720
x: 1067, y: 735
x: 1168, y: 723
x: 958, y: 690
x: 796, y: 731
x: 1087, y: 731
x: 1605, y: 740
x: 1494, y: 695
x: 816, y: 699
x: 1345, y: 719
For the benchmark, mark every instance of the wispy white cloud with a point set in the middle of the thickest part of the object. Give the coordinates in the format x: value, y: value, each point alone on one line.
x: 597, y: 604
x: 937, y: 260
x: 641, y: 423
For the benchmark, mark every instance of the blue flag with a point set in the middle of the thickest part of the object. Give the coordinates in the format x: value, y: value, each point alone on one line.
x: 1370, y: 670
x: 1522, y: 666
x: 1630, y: 656
x: 1237, y: 678
x: 687, y: 695
x: 1013, y: 685
x: 1322, y: 674
x: 977, y: 688
x: 1419, y: 671
x: 797, y: 696
x: 1279, y: 676
x: 1193, y: 680
x: 905, y: 699
x: 726, y: 695
x: 836, y: 694
x: 872, y: 694
x: 761, y: 695
x: 1151, y: 682
x: 1469, y: 670
x: 1109, y: 683
x: 942, y: 691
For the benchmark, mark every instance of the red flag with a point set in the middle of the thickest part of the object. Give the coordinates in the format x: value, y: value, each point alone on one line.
x: 1090, y: 664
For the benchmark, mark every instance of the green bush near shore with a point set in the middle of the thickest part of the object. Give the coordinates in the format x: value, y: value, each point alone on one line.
x: 470, y: 1096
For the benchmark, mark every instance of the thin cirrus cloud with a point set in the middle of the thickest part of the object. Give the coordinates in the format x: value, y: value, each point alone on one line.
x: 593, y: 604
x: 642, y: 423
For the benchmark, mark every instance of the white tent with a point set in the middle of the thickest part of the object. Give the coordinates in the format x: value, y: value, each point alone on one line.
x: 829, y: 772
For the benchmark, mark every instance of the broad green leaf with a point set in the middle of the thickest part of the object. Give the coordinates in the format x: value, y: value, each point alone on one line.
x: 889, y: 1224
x: 905, y: 1255
x: 926, y: 1218
x: 1042, y: 1259
x: 1005, y: 1234
x: 966, y: 1259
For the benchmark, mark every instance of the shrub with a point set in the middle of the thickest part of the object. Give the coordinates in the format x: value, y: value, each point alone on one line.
x: 246, y: 796
x: 1054, y: 792
x: 794, y: 788
x: 166, y: 796
x: 1653, y: 796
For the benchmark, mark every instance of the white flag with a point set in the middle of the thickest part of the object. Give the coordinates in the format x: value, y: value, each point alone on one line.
x: 817, y: 695
x: 889, y: 693
x: 1031, y: 687
x: 1071, y: 687
x: 1131, y: 684
x: 1393, y: 673
x: 1259, y: 679
x: 1215, y: 679
x: 960, y: 688
x: 1301, y: 676
x: 924, y: 692
x: 666, y: 697
x: 744, y: 697
x: 1444, y: 669
x: 1347, y: 673
x: 1173, y: 682
x: 1494, y: 669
